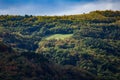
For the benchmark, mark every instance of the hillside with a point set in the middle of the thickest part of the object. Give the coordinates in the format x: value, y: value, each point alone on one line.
x: 90, y: 42
x: 24, y: 66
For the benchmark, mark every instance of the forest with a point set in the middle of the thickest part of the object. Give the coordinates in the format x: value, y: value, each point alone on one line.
x: 69, y: 47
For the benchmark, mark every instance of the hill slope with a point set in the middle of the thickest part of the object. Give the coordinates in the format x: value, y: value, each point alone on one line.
x: 93, y: 43
x: 24, y: 66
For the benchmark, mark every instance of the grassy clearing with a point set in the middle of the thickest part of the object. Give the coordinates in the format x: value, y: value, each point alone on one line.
x: 59, y: 36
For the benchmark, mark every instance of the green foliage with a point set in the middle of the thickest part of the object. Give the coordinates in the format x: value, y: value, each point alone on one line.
x: 28, y: 65
x: 88, y: 41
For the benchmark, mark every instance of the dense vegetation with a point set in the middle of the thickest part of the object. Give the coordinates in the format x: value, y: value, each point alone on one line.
x: 88, y: 41
x: 31, y: 66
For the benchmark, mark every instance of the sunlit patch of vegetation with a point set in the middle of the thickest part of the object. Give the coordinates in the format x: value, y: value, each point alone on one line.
x: 59, y: 36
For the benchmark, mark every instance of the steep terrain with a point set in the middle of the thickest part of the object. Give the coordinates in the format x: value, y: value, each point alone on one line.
x: 89, y: 42
x: 24, y: 66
